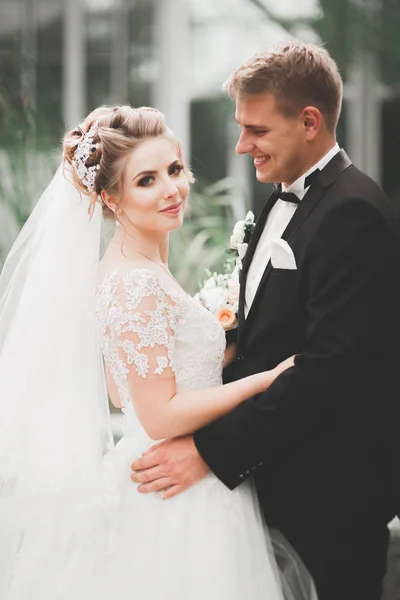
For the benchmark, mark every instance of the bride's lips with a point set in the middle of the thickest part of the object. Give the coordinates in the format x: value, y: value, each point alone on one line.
x: 172, y: 210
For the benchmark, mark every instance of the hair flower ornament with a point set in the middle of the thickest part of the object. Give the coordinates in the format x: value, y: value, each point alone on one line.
x: 84, y: 149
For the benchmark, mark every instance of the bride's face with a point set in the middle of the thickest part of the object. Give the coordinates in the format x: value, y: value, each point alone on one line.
x: 155, y: 187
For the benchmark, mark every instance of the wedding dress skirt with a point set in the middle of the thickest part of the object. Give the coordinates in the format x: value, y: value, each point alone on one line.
x: 206, y: 543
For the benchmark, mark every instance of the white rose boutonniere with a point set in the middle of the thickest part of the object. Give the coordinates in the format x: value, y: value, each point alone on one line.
x: 240, y: 238
x: 219, y: 293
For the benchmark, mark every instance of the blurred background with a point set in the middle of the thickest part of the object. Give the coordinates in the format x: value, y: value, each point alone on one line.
x: 60, y: 59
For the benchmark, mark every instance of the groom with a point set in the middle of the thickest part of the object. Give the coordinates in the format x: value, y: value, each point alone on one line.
x: 320, y: 443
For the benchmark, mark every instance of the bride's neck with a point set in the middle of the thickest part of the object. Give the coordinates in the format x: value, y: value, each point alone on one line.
x: 134, y: 241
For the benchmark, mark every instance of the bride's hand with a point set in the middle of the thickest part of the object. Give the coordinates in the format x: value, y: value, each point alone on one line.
x: 285, y: 364
x: 267, y: 378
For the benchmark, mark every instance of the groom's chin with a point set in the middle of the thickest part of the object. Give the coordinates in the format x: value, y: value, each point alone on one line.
x: 263, y: 177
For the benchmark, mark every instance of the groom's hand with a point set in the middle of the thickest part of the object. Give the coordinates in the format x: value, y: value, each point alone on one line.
x: 169, y: 467
x: 230, y: 355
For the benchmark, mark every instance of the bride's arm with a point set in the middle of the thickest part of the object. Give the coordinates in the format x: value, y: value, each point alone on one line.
x: 163, y: 413
x: 144, y: 318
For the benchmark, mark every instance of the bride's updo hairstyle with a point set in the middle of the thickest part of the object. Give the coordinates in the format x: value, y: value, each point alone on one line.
x: 112, y: 133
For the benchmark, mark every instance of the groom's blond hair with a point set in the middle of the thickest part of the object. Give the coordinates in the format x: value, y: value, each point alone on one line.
x: 298, y: 74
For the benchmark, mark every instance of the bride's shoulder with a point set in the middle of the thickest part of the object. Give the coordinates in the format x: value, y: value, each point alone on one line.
x: 123, y: 275
x: 134, y: 281
x: 139, y: 279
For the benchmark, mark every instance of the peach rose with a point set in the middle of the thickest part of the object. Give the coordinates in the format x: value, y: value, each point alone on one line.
x: 227, y: 317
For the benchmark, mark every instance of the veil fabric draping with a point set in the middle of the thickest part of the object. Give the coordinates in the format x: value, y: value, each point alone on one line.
x: 54, y: 418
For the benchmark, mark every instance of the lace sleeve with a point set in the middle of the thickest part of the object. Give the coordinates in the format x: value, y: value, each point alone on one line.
x: 144, y: 323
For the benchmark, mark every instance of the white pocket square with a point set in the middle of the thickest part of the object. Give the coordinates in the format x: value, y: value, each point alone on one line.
x: 282, y: 256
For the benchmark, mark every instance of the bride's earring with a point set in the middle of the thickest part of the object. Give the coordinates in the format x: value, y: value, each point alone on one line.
x: 118, y: 213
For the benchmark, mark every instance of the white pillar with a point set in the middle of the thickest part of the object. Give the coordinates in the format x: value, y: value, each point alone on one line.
x: 363, y: 91
x: 119, y: 56
x: 74, y: 63
x: 171, y: 89
x: 363, y: 94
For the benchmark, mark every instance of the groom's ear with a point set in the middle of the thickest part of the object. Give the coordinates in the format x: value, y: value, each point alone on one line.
x: 312, y: 121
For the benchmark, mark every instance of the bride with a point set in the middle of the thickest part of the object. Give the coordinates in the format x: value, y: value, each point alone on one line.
x: 72, y: 525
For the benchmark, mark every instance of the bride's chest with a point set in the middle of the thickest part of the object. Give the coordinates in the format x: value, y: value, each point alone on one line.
x: 199, y: 345
x: 197, y: 331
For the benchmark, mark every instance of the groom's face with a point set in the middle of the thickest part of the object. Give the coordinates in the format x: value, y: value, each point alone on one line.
x: 276, y: 142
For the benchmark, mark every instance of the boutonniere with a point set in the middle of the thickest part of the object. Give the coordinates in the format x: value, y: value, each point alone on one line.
x: 219, y: 293
x: 240, y: 238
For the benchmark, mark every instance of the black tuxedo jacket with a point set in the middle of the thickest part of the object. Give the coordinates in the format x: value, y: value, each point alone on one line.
x: 321, y: 442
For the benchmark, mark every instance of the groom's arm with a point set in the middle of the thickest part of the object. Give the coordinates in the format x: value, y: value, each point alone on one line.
x: 350, y: 301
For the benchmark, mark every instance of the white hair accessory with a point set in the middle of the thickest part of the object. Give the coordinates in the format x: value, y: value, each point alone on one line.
x: 83, y: 150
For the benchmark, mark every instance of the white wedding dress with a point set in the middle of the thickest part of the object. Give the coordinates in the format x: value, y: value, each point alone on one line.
x: 206, y: 543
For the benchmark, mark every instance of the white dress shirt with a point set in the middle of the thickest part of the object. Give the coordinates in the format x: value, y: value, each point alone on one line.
x: 277, y: 221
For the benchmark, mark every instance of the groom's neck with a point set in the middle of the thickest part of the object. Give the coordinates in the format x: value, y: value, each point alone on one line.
x: 317, y: 152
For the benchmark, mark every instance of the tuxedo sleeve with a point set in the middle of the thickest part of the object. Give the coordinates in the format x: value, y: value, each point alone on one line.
x: 347, y: 294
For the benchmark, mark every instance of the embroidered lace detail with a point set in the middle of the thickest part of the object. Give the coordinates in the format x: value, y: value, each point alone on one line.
x: 151, y: 315
x: 162, y: 362
x: 147, y: 330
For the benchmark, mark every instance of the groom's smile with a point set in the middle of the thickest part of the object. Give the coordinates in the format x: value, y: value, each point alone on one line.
x: 260, y: 160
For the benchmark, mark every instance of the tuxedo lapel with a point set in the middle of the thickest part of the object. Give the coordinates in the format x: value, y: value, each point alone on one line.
x: 259, y: 228
x: 325, y: 177
x: 306, y: 206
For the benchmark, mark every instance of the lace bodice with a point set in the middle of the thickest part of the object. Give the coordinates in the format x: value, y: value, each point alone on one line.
x: 149, y: 330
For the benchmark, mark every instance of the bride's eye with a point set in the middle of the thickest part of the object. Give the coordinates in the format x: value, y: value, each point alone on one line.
x: 146, y: 181
x: 176, y: 169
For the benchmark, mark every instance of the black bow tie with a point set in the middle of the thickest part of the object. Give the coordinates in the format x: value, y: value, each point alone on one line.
x: 290, y: 196
x: 287, y: 196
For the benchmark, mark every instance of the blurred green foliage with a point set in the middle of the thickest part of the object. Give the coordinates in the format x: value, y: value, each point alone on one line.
x: 24, y: 174
x: 203, y: 241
